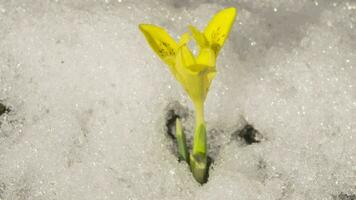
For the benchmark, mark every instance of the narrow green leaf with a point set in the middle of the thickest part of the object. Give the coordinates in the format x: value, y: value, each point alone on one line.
x: 181, y: 142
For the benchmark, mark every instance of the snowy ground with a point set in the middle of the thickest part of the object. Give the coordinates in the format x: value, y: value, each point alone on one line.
x: 87, y: 101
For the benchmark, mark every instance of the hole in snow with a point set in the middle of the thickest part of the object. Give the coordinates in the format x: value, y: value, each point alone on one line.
x: 3, y: 109
x: 171, y: 123
x: 173, y: 111
x: 248, y: 134
x: 210, y: 161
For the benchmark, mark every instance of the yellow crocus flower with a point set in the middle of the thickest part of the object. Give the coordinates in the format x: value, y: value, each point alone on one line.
x: 195, y: 74
x: 181, y: 61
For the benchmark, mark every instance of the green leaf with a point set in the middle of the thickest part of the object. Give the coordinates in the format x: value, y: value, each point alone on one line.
x: 181, y: 142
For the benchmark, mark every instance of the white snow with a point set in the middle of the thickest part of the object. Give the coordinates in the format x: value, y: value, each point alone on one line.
x: 88, y: 101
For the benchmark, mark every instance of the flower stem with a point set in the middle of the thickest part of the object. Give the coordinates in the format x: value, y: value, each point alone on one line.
x: 199, y: 114
x: 200, y: 134
x: 198, y: 158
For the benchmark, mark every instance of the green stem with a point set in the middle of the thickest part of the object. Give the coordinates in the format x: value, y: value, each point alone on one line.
x: 200, y: 134
x: 199, y: 114
x: 198, y: 158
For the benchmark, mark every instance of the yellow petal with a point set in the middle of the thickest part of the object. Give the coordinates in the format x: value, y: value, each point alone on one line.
x: 192, y: 81
x: 208, y: 79
x: 219, y: 27
x: 199, y: 37
x: 187, y: 58
x: 206, y: 57
x: 160, y: 41
x: 184, y: 39
x: 195, y: 77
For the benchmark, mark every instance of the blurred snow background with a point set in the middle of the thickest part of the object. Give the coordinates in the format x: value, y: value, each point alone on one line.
x: 87, y: 101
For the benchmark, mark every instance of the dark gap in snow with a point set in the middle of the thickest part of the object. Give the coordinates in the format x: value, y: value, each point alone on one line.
x: 171, y: 118
x: 210, y: 161
x: 344, y: 196
x: 4, y: 109
x: 248, y: 134
x: 173, y: 111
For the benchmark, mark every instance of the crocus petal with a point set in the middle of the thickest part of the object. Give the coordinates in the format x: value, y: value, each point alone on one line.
x: 219, y: 27
x: 187, y: 58
x: 161, y: 42
x: 184, y: 39
x: 208, y: 79
x: 192, y: 81
x: 199, y: 37
x: 206, y: 57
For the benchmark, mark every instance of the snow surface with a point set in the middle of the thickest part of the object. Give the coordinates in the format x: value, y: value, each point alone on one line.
x: 88, y: 101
